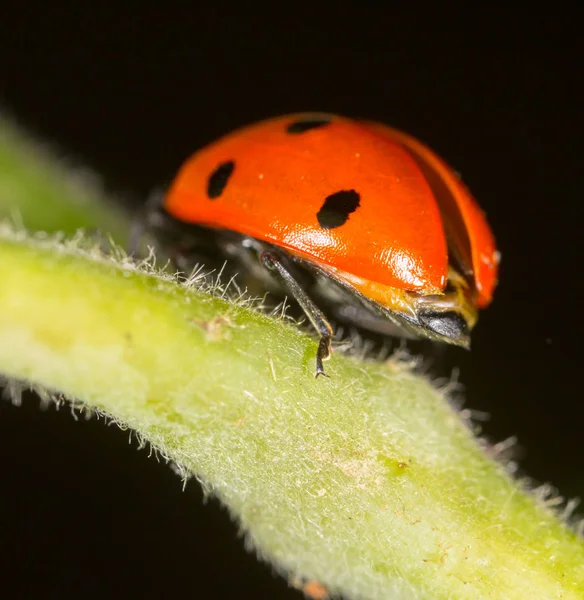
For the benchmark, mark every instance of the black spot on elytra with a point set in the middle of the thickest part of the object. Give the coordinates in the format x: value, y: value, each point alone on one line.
x: 337, y: 207
x: 307, y: 123
x: 219, y: 178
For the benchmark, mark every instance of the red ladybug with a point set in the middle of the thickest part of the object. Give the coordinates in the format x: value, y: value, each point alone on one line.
x: 365, y: 208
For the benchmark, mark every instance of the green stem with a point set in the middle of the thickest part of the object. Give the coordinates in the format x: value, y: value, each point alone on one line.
x: 368, y: 482
x: 46, y: 195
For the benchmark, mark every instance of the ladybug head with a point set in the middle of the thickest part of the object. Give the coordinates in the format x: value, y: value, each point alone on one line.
x: 446, y: 326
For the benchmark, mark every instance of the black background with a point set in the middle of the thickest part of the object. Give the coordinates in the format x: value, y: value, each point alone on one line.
x: 133, y: 92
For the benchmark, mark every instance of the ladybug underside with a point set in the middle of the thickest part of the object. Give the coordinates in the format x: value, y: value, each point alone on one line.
x: 447, y: 317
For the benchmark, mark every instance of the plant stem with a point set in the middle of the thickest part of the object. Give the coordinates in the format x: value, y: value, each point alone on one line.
x: 368, y: 482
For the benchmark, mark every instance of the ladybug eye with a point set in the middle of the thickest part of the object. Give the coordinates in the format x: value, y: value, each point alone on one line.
x: 307, y: 124
x: 219, y: 178
x: 337, y: 207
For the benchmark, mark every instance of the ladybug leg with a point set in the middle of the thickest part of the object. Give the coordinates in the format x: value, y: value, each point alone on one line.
x: 138, y: 230
x: 317, y: 318
x: 179, y: 255
x: 143, y: 222
x: 105, y: 243
x: 149, y: 219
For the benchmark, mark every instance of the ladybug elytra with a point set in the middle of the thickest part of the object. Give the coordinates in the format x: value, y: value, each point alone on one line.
x: 368, y: 211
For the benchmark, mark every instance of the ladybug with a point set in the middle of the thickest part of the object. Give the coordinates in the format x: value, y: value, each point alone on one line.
x: 384, y: 228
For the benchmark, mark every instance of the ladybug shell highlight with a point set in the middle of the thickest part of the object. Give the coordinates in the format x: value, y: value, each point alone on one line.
x: 368, y: 205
